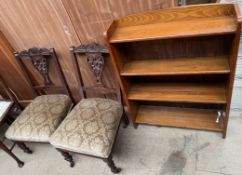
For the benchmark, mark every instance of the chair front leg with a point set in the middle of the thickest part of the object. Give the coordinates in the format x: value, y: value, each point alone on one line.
x: 4, y: 148
x: 111, y: 165
x: 67, y: 157
x: 22, y: 146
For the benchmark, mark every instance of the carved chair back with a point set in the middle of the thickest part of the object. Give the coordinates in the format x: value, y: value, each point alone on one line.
x: 95, y: 58
x: 40, y: 59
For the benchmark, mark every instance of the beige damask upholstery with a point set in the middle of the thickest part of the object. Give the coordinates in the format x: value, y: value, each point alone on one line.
x: 39, y: 119
x: 90, y: 128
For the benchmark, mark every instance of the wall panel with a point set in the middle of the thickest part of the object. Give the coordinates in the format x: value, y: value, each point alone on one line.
x: 10, y: 72
x: 63, y: 23
x: 91, y: 18
x: 42, y: 23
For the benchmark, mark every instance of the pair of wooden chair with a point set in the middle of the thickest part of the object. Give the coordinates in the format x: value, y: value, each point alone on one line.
x: 89, y: 128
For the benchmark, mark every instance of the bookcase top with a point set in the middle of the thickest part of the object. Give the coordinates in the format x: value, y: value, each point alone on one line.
x: 188, y: 21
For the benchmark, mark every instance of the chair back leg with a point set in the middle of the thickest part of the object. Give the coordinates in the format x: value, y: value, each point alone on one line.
x: 22, y: 146
x: 4, y: 148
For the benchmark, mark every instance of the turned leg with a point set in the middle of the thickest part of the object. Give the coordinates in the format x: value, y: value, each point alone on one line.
x: 67, y: 157
x: 22, y: 146
x: 125, y: 119
x: 111, y: 165
x: 3, y: 147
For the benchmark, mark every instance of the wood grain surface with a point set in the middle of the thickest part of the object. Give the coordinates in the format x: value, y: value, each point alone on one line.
x: 10, y: 71
x: 42, y: 24
x: 176, y: 22
x: 179, y: 117
x: 178, y: 66
x: 179, y: 92
x: 63, y: 23
x: 136, y: 62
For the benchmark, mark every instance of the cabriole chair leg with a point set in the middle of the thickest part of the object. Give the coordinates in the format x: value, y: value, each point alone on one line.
x: 22, y: 146
x: 67, y: 157
x: 111, y: 165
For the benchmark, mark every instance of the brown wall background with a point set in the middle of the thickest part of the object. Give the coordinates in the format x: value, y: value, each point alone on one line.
x: 61, y: 24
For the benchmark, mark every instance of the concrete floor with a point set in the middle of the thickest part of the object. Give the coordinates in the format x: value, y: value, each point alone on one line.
x: 149, y: 150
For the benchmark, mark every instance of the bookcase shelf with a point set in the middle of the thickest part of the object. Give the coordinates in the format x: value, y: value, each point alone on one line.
x: 179, y: 92
x: 179, y: 117
x: 176, y: 66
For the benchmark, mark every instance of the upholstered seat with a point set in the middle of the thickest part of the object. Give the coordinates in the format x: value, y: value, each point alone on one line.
x: 39, y: 119
x: 90, y: 128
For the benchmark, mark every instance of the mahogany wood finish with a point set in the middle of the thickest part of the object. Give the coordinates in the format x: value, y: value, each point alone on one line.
x: 67, y: 157
x: 95, y: 57
x: 25, y: 149
x: 111, y: 165
x: 9, y: 152
x: 96, y: 60
x: 40, y: 59
x: 178, y: 56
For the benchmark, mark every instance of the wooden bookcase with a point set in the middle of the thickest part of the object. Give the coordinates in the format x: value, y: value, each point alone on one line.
x: 176, y: 66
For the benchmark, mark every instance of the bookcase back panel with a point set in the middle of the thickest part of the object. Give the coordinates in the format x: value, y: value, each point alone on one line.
x: 186, y: 78
x: 178, y: 48
x: 181, y: 105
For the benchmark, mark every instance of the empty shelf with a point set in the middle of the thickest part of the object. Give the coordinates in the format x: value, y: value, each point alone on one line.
x: 179, y: 117
x: 177, y: 66
x: 212, y: 93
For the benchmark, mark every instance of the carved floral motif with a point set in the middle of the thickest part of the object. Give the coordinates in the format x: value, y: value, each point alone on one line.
x: 95, y: 59
x: 96, y: 63
x: 40, y: 62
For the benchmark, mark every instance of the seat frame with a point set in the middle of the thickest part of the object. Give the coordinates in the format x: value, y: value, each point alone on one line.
x: 95, y: 58
x: 40, y: 60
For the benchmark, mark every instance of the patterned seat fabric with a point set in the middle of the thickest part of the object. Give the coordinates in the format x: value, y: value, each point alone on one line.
x: 90, y: 128
x: 39, y: 119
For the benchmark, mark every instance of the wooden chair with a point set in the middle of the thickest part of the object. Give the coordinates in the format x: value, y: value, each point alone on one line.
x: 44, y: 114
x: 91, y: 127
x: 5, y: 118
